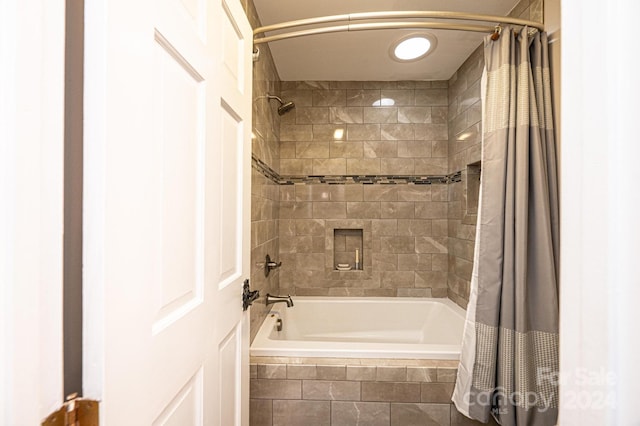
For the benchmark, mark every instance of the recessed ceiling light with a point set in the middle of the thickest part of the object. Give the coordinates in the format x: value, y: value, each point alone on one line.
x: 412, y: 47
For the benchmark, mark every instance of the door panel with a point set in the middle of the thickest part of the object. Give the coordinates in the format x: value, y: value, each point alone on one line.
x: 186, y: 408
x: 179, y: 111
x: 168, y: 210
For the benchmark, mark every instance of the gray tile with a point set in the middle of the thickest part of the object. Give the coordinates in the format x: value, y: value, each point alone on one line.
x: 431, y: 245
x: 292, y: 132
x: 301, y: 413
x: 400, y: 97
x: 415, y: 149
x: 397, y: 210
x: 397, y: 279
x: 414, y: 292
x: 360, y: 413
x: 436, y: 392
x: 366, y: 166
x: 397, y: 244
x: 330, y: 210
x: 381, y: 115
x: 397, y: 166
x: 345, y: 149
x: 363, y: 210
x: 415, y: 227
x: 330, y: 166
x: 313, y: 149
x: 363, y: 132
x: 331, y: 372
x: 306, y: 115
x: 342, y: 115
x: 397, y: 132
x: 362, y: 97
x: 275, y: 389
x: 272, y: 371
x: 380, y: 149
x: 391, y: 374
x: 296, y: 166
x: 447, y: 374
x: 260, y: 412
x: 301, y: 371
x: 415, y: 262
x: 332, y: 97
x: 418, y: 114
x: 340, y: 390
x: 431, y: 279
x: 420, y: 414
x: 390, y: 391
x: 361, y: 372
x: 432, y: 97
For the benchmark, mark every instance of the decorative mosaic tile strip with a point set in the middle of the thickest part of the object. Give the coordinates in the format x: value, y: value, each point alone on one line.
x: 366, y: 179
x: 264, y: 169
x: 272, y: 175
x: 455, y: 177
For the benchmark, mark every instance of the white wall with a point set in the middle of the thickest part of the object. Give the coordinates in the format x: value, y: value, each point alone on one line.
x: 600, y: 284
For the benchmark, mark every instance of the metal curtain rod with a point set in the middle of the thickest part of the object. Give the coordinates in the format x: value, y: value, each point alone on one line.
x: 388, y: 25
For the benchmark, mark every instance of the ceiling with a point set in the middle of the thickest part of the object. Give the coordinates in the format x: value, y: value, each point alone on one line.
x: 364, y: 55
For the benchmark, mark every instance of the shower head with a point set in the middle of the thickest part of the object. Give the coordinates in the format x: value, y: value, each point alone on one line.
x: 284, y: 106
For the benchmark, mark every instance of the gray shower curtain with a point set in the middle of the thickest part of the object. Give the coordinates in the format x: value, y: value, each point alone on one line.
x: 509, y: 360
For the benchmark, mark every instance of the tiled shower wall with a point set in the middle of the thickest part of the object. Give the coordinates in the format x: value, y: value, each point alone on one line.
x: 465, y: 130
x: 423, y: 235
x: 335, y: 129
x: 264, y: 192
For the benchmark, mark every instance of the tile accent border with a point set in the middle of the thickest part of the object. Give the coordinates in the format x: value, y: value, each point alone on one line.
x: 275, y: 177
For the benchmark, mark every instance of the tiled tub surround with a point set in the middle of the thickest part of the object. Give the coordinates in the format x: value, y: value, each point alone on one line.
x: 354, y: 392
x: 264, y: 192
x: 336, y: 132
x: 410, y: 206
x: 404, y: 232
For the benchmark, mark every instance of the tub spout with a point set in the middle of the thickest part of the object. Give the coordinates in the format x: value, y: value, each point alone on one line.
x: 275, y: 299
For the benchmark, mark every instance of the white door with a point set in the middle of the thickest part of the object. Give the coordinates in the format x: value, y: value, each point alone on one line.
x: 31, y: 209
x: 167, y: 167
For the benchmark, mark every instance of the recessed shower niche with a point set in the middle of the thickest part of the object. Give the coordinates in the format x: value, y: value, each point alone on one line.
x: 343, y: 238
x: 347, y: 249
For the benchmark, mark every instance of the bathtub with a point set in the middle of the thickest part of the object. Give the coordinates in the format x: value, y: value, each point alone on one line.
x: 375, y: 327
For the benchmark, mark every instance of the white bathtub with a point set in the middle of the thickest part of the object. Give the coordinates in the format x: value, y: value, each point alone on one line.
x: 375, y: 327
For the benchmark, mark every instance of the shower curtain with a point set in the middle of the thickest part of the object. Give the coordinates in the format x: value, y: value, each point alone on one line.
x: 509, y: 362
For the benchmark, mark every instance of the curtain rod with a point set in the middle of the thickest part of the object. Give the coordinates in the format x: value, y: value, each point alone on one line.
x: 387, y: 25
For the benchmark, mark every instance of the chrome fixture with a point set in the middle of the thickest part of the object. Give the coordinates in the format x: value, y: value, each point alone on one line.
x: 269, y: 265
x: 275, y: 299
x: 284, y: 106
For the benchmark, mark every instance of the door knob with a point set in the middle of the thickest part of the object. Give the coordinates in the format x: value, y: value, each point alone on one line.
x: 248, y: 295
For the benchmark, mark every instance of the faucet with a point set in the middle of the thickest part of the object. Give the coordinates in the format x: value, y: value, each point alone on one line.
x: 275, y: 299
